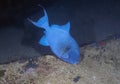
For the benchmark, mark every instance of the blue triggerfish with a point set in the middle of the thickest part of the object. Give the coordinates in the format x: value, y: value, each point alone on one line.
x: 59, y: 39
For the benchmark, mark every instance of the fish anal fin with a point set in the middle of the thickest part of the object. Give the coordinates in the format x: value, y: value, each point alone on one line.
x: 43, y: 41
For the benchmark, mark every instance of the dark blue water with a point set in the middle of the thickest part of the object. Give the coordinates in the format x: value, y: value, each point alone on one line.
x: 91, y: 21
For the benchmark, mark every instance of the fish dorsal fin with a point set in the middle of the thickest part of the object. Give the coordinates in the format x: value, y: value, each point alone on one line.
x: 42, y: 22
x: 43, y: 41
x: 65, y: 27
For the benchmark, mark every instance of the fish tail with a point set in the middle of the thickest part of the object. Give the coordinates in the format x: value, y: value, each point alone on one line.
x: 43, y: 21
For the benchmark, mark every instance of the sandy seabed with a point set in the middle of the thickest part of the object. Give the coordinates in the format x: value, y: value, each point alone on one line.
x: 100, y: 65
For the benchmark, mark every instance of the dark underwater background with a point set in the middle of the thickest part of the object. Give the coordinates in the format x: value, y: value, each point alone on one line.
x: 91, y: 21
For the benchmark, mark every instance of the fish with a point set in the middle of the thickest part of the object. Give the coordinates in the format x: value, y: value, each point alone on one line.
x: 59, y: 39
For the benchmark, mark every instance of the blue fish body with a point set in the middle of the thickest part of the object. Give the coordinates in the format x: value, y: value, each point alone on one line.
x: 59, y: 39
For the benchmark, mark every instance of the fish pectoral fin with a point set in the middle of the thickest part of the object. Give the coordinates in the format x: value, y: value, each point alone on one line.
x: 43, y: 41
x: 65, y: 55
x: 65, y: 52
